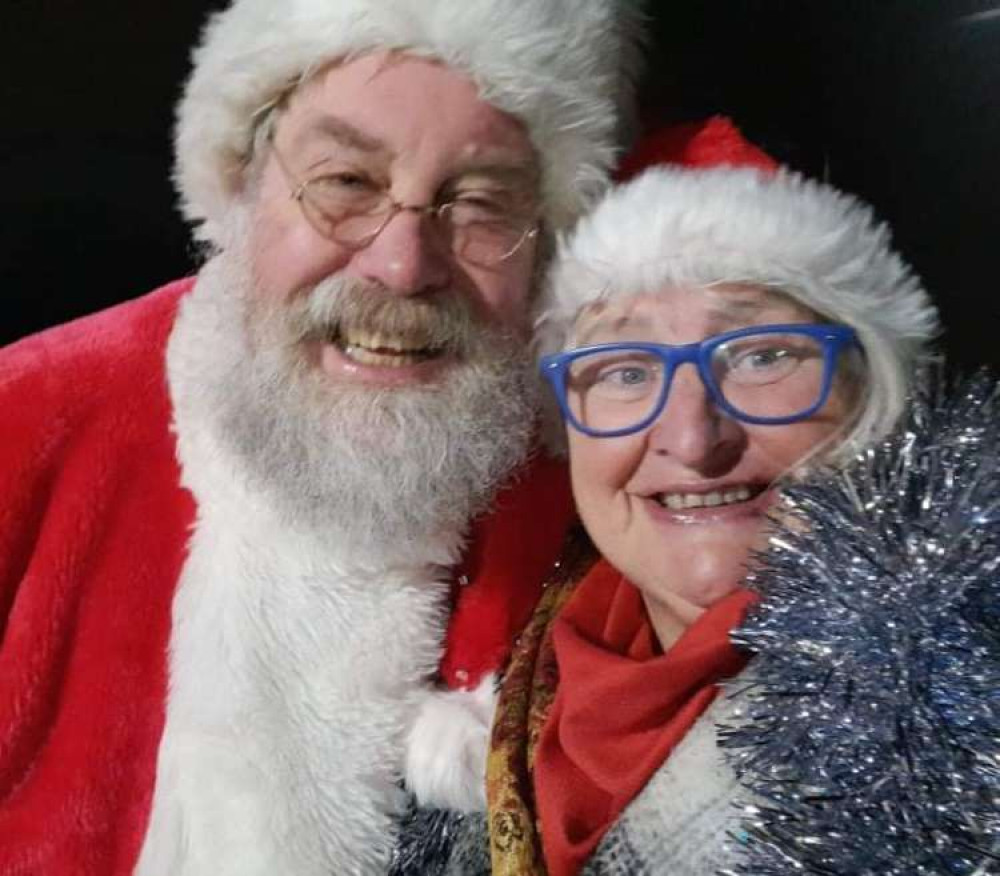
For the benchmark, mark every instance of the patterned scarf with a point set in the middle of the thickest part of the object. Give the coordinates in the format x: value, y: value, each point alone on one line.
x: 566, y: 760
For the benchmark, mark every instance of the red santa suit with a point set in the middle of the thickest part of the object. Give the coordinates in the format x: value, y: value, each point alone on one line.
x: 94, y: 535
x: 189, y: 686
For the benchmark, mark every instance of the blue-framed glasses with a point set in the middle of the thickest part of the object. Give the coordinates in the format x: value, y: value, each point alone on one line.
x: 764, y: 374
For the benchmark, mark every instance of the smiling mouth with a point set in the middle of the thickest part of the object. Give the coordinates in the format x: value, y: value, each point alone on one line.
x: 385, y: 350
x: 715, y: 499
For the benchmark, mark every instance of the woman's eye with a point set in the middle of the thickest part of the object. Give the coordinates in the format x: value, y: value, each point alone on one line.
x: 763, y: 365
x: 614, y: 377
x: 764, y: 358
x: 624, y: 376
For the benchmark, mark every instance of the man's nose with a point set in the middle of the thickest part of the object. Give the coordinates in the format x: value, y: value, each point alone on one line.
x: 693, y: 431
x: 408, y: 256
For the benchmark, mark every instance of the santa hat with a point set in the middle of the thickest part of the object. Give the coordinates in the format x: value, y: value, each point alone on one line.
x: 565, y: 68
x: 728, y: 214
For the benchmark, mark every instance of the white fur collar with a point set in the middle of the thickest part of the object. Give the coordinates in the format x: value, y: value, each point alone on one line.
x: 295, y: 673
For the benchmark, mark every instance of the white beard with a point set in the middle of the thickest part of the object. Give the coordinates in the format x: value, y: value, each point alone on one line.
x: 309, y: 616
x: 381, y: 469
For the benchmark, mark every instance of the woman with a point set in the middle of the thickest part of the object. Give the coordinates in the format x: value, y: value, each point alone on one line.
x: 708, y: 333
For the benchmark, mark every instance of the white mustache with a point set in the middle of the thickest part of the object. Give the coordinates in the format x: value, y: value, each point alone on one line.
x: 337, y: 307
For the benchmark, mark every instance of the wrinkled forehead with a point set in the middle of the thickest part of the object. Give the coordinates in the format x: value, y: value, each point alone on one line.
x: 369, y: 103
x: 687, y: 313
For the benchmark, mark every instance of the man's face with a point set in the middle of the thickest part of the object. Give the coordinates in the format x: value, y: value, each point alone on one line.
x: 418, y: 131
x: 377, y: 393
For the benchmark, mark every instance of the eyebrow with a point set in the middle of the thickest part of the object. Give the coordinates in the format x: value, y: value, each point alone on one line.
x: 344, y: 134
x: 516, y: 172
x: 726, y: 315
x: 607, y: 321
x: 517, y: 175
x: 736, y: 312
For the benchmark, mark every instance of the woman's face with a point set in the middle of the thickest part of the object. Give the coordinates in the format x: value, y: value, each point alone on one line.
x: 678, y: 506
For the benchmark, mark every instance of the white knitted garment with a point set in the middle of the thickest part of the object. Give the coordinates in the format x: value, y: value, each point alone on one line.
x: 677, y: 825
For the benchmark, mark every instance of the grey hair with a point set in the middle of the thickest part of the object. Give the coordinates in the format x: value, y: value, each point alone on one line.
x: 882, y: 380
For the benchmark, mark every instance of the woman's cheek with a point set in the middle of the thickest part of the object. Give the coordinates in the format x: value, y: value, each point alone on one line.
x: 600, y: 469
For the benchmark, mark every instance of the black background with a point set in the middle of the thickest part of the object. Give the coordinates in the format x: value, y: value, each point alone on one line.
x: 896, y: 100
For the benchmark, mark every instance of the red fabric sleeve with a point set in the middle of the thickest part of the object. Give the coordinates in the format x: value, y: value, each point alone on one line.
x: 93, y: 526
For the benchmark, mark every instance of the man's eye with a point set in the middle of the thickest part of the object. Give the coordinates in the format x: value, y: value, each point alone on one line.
x: 343, y: 182
x: 479, y: 207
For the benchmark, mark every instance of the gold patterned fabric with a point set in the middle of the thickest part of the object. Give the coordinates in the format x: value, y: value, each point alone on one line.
x: 525, y: 698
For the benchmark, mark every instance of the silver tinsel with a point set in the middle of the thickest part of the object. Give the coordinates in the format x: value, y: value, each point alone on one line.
x: 868, y: 732
x: 441, y: 842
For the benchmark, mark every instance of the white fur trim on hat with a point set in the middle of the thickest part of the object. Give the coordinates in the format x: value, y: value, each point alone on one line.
x: 698, y: 227
x: 676, y: 227
x: 565, y: 68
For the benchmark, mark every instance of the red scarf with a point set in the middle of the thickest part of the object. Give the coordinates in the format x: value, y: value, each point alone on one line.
x: 621, y: 708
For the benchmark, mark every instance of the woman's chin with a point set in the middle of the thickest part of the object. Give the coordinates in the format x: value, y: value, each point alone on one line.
x: 672, y: 609
x: 700, y: 570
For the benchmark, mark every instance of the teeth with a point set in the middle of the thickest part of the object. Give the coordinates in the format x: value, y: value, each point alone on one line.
x: 374, y: 348
x: 384, y: 360
x: 683, y: 501
x: 384, y: 343
x: 740, y: 494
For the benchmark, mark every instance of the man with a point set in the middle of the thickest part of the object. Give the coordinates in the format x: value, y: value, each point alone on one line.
x: 269, y: 473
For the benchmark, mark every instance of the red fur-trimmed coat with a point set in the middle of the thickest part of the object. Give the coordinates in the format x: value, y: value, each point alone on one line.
x: 94, y: 529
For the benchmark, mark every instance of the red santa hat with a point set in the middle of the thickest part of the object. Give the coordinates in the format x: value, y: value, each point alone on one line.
x: 714, y: 142
x: 703, y: 207
x: 565, y: 68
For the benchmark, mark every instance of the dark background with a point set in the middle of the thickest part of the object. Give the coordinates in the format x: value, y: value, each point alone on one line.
x: 897, y: 100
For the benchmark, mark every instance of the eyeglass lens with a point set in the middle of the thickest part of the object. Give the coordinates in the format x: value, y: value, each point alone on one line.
x: 760, y: 376
x: 355, y: 217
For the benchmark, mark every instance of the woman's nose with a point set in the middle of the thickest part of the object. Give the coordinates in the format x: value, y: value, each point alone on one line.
x: 693, y: 431
x: 408, y: 257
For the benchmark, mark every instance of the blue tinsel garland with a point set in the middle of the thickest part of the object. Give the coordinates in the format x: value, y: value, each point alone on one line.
x: 868, y: 732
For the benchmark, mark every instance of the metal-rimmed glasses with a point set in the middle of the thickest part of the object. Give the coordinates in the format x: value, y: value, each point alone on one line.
x: 764, y: 374
x: 352, y: 211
